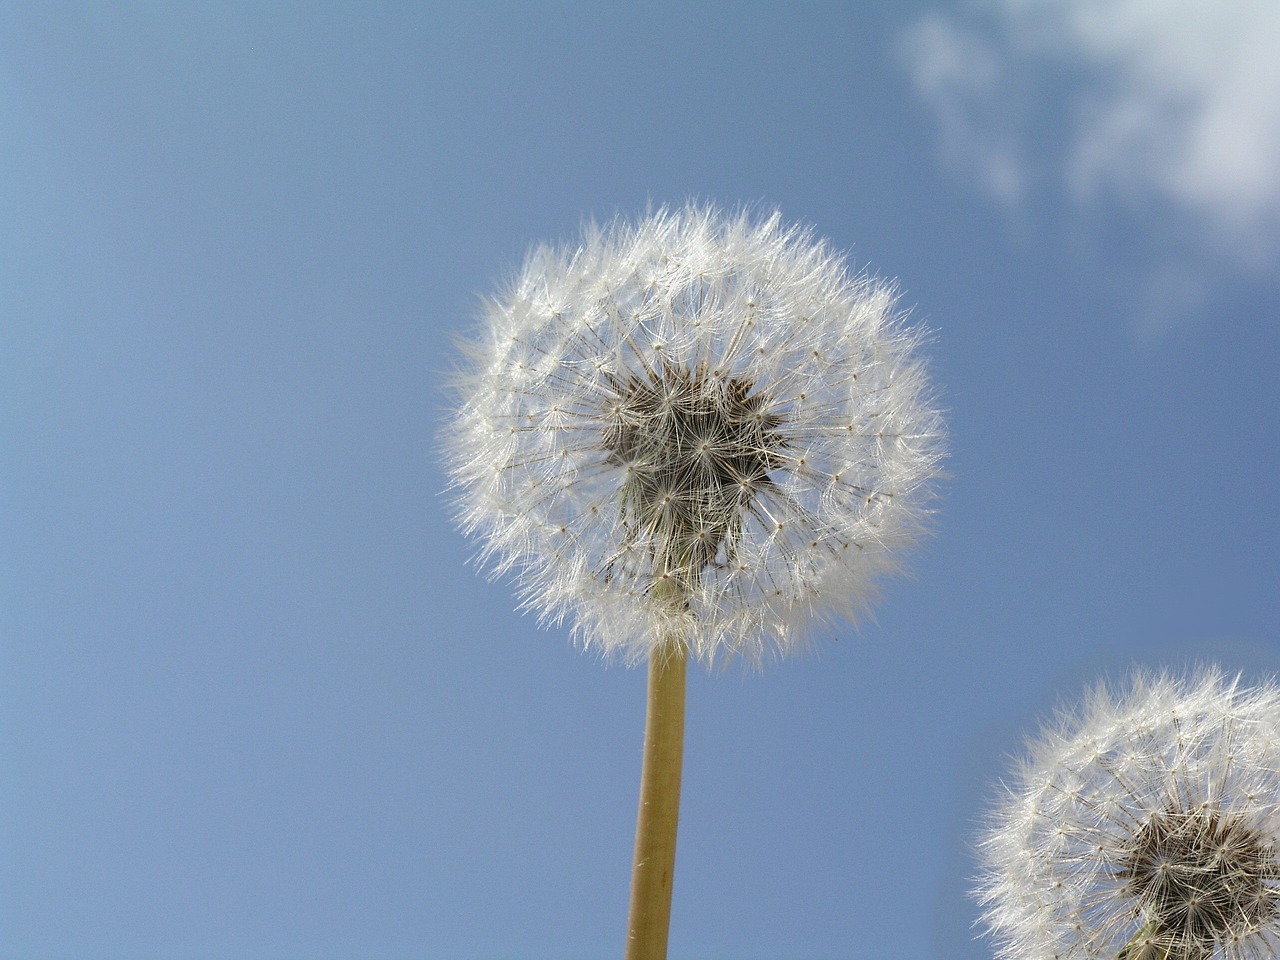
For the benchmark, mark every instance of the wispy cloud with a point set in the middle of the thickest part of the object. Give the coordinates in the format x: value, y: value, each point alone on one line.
x: 1166, y: 106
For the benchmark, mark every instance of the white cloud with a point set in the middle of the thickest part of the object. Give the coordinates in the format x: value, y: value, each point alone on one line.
x: 961, y: 75
x: 1175, y: 102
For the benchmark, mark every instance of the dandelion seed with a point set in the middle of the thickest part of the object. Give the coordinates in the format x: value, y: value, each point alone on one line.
x: 711, y: 403
x: 1146, y: 827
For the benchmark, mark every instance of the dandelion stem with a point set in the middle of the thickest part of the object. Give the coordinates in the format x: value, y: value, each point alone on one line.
x: 659, y: 813
x: 1142, y: 945
x: 1152, y: 942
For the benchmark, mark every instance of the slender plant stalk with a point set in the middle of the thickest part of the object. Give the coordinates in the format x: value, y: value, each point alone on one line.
x: 1139, y: 948
x: 655, y: 860
x: 1134, y: 949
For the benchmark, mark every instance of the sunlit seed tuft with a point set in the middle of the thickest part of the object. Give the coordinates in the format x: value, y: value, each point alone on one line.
x: 699, y: 400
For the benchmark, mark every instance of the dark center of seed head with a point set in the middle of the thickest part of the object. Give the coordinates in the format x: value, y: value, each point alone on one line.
x: 1202, y: 875
x: 696, y: 448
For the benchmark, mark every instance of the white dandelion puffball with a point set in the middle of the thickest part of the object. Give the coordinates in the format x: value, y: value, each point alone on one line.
x: 1144, y: 827
x: 694, y: 428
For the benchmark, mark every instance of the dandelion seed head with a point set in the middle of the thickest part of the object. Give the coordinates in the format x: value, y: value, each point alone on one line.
x: 1145, y: 825
x: 694, y: 426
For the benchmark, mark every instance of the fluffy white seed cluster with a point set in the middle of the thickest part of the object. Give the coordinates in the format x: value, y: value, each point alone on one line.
x: 696, y: 427
x: 1144, y: 827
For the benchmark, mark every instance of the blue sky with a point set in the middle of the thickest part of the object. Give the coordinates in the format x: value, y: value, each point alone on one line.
x: 255, y: 702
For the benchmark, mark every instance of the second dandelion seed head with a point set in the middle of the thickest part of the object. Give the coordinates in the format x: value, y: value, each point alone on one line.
x: 1146, y: 827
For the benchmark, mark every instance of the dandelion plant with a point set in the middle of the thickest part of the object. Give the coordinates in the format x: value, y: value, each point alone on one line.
x: 694, y: 436
x: 1144, y: 826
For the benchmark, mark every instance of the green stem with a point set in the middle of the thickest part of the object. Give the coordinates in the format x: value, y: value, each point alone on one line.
x: 659, y: 813
x: 1140, y: 946
x: 1146, y: 945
